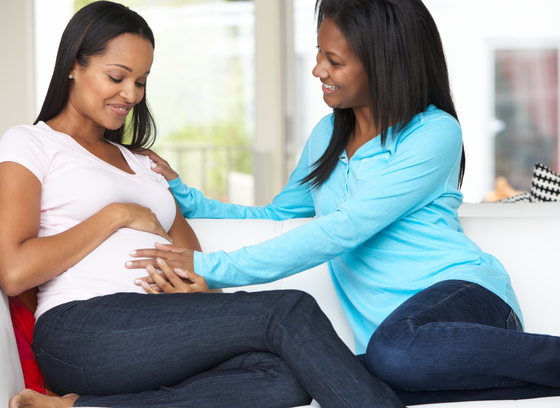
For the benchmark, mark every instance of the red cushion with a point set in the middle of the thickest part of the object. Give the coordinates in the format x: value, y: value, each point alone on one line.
x: 23, y: 322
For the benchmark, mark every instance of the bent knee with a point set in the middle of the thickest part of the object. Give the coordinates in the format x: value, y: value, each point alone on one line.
x: 291, y: 298
x: 301, y: 307
x: 391, y: 363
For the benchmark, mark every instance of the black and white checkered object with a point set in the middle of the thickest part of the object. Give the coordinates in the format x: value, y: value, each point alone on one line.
x: 519, y: 198
x: 545, y: 186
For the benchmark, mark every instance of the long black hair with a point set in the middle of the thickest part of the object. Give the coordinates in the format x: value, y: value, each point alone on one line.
x: 400, y: 48
x: 87, y: 35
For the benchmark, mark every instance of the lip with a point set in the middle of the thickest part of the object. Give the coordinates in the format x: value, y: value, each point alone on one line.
x: 120, y: 109
x: 327, y: 90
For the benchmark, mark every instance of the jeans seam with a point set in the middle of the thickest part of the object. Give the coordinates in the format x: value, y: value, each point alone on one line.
x: 70, y: 365
x: 333, y: 388
x: 289, y: 339
x: 465, y: 286
x: 213, y: 379
x: 499, y: 384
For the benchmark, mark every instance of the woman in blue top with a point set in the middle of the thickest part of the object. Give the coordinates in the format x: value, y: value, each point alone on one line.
x: 429, y: 309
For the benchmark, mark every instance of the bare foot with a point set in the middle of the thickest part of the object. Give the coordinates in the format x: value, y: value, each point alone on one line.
x: 30, y: 398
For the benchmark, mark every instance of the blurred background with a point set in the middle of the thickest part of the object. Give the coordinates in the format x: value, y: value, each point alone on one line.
x: 234, y: 99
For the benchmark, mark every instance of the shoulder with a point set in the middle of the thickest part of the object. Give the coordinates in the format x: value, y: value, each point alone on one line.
x: 25, y: 131
x: 28, y: 146
x: 434, y: 119
x: 321, y: 134
x: 23, y: 137
x: 433, y: 128
x: 324, y: 126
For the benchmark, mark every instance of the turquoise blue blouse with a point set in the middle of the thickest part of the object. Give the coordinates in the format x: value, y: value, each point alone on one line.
x: 386, y: 223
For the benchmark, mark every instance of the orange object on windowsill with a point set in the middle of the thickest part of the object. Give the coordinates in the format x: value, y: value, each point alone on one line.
x: 502, y: 190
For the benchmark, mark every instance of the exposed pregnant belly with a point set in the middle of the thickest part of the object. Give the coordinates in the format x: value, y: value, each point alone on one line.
x: 102, y: 272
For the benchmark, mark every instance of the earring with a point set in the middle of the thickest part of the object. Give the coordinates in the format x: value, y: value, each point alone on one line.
x: 70, y: 76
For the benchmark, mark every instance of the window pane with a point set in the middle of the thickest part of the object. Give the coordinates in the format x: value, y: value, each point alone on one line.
x: 202, y: 92
x: 527, y: 110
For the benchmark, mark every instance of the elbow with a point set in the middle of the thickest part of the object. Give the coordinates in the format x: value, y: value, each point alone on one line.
x: 10, y: 285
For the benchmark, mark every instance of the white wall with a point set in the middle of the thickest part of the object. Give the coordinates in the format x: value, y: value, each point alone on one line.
x: 50, y: 19
x: 16, y: 63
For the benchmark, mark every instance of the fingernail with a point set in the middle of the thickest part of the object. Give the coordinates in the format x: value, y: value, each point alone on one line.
x: 132, y: 253
x: 159, y: 260
x: 138, y: 281
x: 128, y: 263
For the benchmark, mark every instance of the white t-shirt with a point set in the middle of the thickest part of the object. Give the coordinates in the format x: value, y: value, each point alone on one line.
x: 75, y: 185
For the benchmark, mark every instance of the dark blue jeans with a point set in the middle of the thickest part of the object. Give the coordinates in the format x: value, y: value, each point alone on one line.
x: 267, y: 349
x: 457, y: 341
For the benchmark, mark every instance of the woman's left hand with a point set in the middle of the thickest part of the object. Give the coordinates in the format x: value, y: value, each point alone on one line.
x: 173, y: 280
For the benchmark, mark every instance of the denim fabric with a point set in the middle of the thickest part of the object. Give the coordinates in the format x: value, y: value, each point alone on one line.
x: 457, y: 341
x: 267, y: 349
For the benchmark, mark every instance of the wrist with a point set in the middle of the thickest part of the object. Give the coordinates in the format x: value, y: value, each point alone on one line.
x: 172, y: 175
x: 176, y: 182
x: 118, y: 215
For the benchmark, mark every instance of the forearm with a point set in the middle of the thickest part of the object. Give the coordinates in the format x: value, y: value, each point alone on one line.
x: 292, y: 252
x: 36, y: 260
x: 294, y: 201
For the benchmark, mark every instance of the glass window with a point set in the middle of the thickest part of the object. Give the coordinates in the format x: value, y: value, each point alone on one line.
x: 526, y: 107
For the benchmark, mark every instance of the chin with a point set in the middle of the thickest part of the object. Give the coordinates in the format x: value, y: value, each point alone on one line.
x: 114, y: 126
x: 329, y: 104
x: 332, y: 104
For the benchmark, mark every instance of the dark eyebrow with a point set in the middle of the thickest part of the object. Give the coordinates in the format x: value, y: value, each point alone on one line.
x: 328, y: 53
x: 125, y: 67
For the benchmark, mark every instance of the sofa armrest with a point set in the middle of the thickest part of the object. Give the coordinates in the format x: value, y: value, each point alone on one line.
x: 11, y: 375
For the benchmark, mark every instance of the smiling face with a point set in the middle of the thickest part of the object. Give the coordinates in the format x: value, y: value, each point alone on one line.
x: 344, y: 79
x: 103, y: 93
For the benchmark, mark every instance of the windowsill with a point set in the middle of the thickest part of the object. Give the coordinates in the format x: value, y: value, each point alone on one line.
x: 502, y: 210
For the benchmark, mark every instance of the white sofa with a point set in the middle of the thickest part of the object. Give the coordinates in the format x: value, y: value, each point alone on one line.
x: 524, y: 237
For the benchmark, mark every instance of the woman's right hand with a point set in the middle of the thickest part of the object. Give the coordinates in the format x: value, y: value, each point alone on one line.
x: 140, y: 218
x: 160, y: 166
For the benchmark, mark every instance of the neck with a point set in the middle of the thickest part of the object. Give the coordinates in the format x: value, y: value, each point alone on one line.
x: 77, y: 127
x: 365, y: 129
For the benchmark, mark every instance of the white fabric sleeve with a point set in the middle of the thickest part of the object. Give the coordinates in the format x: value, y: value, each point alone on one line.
x: 22, y: 145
